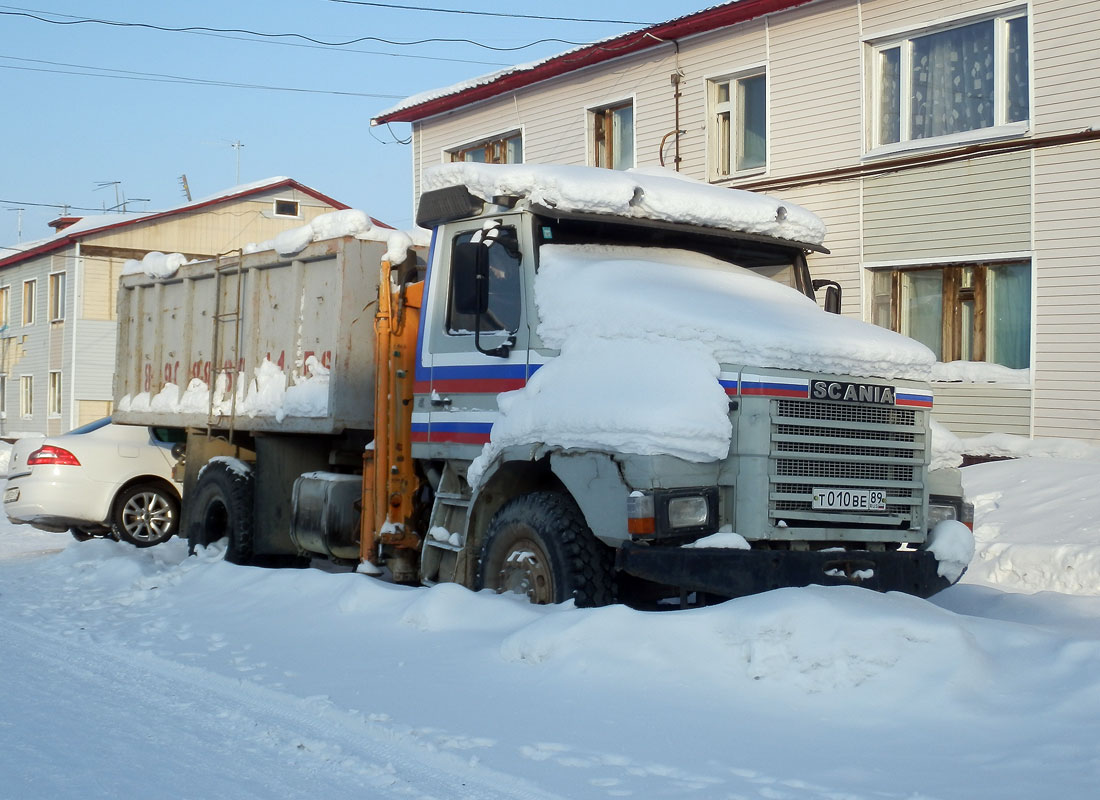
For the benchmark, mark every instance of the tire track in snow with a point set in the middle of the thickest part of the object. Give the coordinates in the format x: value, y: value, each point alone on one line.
x: 212, y: 735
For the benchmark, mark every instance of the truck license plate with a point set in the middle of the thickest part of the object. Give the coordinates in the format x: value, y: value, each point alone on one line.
x: 11, y: 495
x: 850, y: 499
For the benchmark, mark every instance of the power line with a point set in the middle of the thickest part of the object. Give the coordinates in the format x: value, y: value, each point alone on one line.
x: 468, y: 12
x: 357, y: 40
x: 156, y: 77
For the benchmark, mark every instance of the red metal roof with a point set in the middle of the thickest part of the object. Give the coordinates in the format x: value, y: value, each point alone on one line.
x: 59, y: 242
x: 700, y: 22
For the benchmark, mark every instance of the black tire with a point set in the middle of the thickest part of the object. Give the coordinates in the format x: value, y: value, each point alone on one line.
x: 145, y: 514
x: 540, y: 545
x: 220, y: 507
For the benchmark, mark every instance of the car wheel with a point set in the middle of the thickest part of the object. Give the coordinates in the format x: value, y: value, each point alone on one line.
x: 220, y: 507
x: 145, y: 515
x: 539, y: 545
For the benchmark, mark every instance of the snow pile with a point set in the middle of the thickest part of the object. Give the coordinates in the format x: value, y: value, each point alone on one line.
x: 1037, y: 524
x: 347, y: 222
x: 952, y: 544
x: 723, y: 540
x: 639, y: 194
x: 948, y: 449
x: 644, y: 338
x: 267, y: 394
x: 979, y: 372
x: 155, y: 265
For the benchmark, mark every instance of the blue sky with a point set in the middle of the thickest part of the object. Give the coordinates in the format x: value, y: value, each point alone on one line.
x: 64, y: 133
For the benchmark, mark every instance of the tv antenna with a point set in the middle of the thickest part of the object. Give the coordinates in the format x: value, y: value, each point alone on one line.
x: 19, y: 224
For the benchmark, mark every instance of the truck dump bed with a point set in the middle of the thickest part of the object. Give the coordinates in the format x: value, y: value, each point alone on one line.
x: 257, y: 342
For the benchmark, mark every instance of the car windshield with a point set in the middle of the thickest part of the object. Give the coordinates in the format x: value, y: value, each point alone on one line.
x: 91, y: 426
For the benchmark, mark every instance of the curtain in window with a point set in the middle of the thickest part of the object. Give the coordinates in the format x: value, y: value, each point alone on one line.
x: 1009, y: 315
x: 952, y: 81
x: 889, y: 113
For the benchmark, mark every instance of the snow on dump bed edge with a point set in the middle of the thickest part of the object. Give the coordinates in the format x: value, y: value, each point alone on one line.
x: 652, y: 193
x: 642, y: 333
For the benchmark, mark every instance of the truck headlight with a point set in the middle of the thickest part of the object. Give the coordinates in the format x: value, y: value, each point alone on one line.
x: 688, y: 512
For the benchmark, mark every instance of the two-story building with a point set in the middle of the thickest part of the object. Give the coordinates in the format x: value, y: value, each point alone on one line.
x: 952, y: 147
x: 57, y: 295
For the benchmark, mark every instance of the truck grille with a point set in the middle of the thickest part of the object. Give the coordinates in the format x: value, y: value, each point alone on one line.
x: 844, y: 445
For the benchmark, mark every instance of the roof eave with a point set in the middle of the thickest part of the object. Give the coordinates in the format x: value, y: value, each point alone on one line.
x: 633, y: 42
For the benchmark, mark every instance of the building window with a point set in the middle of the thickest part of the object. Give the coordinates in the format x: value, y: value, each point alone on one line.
x: 505, y: 149
x: 613, y: 136
x: 26, y: 396
x: 966, y: 312
x: 966, y: 78
x: 739, y: 123
x: 57, y: 296
x: 54, y: 396
x: 3, y: 396
x: 29, y: 298
x: 5, y: 304
x: 287, y: 208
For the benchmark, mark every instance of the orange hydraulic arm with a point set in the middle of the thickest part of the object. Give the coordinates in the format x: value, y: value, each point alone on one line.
x: 389, y: 478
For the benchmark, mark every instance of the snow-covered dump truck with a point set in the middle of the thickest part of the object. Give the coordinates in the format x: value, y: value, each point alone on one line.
x: 598, y: 384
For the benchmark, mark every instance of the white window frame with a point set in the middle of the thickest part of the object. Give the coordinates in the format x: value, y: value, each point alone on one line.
x: 446, y: 154
x: 30, y: 315
x: 26, y: 396
x: 3, y: 395
x: 5, y: 306
x: 56, y: 298
x: 54, y: 396
x: 1001, y: 128
x: 736, y: 129
x: 275, y: 208
x: 590, y: 113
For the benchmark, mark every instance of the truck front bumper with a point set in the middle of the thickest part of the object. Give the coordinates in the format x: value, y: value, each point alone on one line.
x: 736, y: 573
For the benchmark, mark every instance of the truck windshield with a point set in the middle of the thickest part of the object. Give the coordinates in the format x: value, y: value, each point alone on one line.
x: 783, y: 264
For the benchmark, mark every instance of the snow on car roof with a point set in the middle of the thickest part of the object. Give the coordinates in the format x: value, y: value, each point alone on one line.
x: 647, y: 193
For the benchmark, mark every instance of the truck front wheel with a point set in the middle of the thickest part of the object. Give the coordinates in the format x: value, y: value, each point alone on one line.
x: 221, y: 508
x: 539, y: 545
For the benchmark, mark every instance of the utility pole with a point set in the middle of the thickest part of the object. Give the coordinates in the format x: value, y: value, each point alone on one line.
x: 19, y: 224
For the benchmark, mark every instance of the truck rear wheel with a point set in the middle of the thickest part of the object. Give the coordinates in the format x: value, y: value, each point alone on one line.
x: 539, y: 545
x: 221, y: 508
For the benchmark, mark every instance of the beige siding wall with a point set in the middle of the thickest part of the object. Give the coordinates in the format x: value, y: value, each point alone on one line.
x: 215, y: 229
x: 1065, y: 47
x: 1067, y: 296
x: 979, y: 408
x: 91, y: 410
x: 967, y: 208
x: 100, y: 287
x: 816, y: 118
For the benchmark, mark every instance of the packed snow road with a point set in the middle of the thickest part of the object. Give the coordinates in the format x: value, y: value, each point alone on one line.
x: 149, y: 673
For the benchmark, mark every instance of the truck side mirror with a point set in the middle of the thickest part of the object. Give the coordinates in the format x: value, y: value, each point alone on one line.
x: 832, y: 294
x: 470, y: 277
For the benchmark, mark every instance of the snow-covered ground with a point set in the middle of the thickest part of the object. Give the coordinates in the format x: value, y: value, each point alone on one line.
x: 146, y: 673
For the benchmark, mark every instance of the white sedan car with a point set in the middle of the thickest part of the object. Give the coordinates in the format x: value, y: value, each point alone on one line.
x: 98, y: 480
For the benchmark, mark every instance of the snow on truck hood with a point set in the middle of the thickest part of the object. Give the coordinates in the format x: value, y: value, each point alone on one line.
x: 643, y: 334
x: 652, y: 193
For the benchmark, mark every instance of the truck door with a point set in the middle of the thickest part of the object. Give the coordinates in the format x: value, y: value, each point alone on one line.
x: 476, y: 354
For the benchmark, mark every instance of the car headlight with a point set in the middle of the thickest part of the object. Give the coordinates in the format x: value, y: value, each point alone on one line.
x: 673, y: 512
x: 938, y: 513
